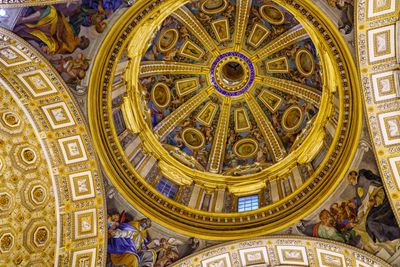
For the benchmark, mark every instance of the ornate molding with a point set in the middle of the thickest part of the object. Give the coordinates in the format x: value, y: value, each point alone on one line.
x: 281, y: 251
x: 378, y: 41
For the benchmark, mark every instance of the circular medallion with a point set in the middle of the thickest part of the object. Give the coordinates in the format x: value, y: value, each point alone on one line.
x: 193, y: 138
x: 214, y: 6
x: 168, y: 39
x: 292, y: 118
x: 232, y: 74
x: 272, y: 14
x: 245, y: 148
x: 160, y: 95
x: 28, y: 155
x: 305, y: 62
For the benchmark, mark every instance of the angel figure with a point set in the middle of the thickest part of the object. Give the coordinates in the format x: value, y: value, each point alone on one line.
x: 176, y: 102
x: 256, y: 132
x: 229, y: 11
x: 260, y: 154
x: 184, y: 33
x: 209, y: 133
x: 152, y: 54
x: 204, y: 18
x: 232, y: 138
x: 127, y: 244
x: 178, y: 140
x: 170, y: 54
x: 347, y: 17
x: 168, y: 252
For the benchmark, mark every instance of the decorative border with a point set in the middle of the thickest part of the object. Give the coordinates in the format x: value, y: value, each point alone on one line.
x: 249, y: 65
x: 279, y: 251
x: 381, y: 100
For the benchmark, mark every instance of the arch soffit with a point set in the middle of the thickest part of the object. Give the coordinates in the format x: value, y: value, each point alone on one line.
x: 65, y: 139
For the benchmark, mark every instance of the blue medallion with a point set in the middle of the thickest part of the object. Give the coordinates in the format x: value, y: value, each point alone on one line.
x: 245, y: 87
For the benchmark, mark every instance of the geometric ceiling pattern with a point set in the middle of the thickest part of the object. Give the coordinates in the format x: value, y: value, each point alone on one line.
x: 119, y: 114
x: 378, y: 51
x: 259, y: 77
x: 68, y: 193
x: 282, y: 251
x: 28, y: 220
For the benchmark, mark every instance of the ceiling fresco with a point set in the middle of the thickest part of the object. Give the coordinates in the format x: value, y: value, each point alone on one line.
x: 65, y: 33
x: 198, y: 122
x: 235, y: 82
x: 359, y: 212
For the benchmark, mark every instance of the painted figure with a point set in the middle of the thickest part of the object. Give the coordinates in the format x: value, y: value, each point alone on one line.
x: 374, y: 211
x: 127, y: 244
x: 51, y: 30
x: 347, y: 18
x: 366, y: 220
x: 168, y: 252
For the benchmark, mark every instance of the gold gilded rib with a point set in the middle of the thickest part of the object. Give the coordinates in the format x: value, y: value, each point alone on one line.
x: 274, y: 143
x: 149, y: 68
x: 242, y: 17
x: 217, y: 154
x: 177, y: 116
x: 286, y: 39
x: 294, y: 88
x: 191, y: 22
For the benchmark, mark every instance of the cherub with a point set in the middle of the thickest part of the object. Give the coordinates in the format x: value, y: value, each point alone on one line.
x: 152, y: 54
x: 229, y: 11
x: 232, y: 138
x: 176, y: 102
x: 187, y: 123
x: 275, y: 121
x: 204, y: 18
x: 168, y: 252
x: 146, y: 81
x: 260, y: 154
x: 208, y: 133
x: 170, y: 54
x: 178, y: 140
x: 195, y: 4
x: 184, y: 33
x: 166, y: 79
x: 72, y: 69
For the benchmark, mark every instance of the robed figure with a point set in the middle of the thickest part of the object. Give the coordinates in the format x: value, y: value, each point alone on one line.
x: 375, y: 215
x: 127, y: 245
